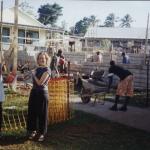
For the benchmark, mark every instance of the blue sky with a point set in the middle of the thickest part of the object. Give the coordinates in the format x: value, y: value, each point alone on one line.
x: 74, y: 10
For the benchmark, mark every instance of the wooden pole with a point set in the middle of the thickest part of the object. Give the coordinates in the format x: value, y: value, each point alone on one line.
x: 146, y: 37
x: 15, y: 46
x: 68, y: 90
x: 147, y: 62
x: 1, y: 37
x: 15, y: 40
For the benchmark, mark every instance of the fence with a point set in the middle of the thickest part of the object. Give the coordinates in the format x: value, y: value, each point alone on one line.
x: 16, y: 104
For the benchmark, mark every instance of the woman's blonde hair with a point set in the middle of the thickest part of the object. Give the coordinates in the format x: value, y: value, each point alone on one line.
x: 48, y: 58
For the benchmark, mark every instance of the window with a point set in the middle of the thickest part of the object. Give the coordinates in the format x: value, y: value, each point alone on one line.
x: 6, y: 32
x: 32, y: 36
x: 21, y: 36
x: 5, y: 35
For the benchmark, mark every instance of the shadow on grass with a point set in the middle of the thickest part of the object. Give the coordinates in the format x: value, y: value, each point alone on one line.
x: 84, y: 132
x: 15, y: 137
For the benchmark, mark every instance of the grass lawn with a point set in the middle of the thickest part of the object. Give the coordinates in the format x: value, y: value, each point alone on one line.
x: 83, y: 132
x: 138, y: 100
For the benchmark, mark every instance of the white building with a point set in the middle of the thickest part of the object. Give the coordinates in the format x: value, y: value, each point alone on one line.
x: 32, y: 35
x: 125, y: 38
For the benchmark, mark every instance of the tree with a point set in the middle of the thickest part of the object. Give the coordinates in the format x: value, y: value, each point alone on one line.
x: 93, y: 21
x: 110, y: 20
x: 126, y: 21
x: 48, y: 14
x: 82, y: 25
x: 25, y: 7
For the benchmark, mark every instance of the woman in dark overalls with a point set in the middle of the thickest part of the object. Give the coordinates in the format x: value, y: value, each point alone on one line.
x: 38, y: 101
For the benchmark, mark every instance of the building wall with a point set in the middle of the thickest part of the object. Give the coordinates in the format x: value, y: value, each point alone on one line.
x: 137, y: 67
x: 127, y: 45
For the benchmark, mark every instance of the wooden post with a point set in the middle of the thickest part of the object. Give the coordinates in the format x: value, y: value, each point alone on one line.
x: 147, y: 62
x: 15, y: 40
x: 147, y: 85
x: 1, y: 37
x: 146, y: 37
x: 68, y: 90
x: 15, y: 46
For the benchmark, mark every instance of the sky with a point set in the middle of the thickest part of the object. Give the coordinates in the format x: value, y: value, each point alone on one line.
x: 75, y: 10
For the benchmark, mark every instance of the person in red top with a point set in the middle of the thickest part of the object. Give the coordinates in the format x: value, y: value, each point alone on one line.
x: 125, y: 85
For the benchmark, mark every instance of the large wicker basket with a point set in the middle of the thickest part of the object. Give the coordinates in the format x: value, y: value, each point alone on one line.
x: 58, y: 106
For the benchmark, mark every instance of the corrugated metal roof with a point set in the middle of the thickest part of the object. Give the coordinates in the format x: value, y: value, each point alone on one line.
x: 115, y: 33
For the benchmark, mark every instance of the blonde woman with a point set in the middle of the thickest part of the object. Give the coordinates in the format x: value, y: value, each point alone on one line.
x: 38, y: 99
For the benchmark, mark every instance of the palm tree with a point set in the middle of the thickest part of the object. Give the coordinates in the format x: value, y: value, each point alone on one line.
x: 126, y: 21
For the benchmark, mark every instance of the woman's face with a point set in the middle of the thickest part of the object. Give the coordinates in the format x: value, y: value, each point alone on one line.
x: 42, y: 60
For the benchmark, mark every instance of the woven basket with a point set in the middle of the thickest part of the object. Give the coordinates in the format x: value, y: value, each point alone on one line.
x: 58, y: 106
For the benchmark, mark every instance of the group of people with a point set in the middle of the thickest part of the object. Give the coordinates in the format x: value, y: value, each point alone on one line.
x: 37, y: 119
x: 98, y: 57
x: 58, y: 64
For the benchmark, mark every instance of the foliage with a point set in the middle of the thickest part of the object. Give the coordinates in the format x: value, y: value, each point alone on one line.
x: 126, y: 21
x: 82, y: 25
x: 49, y: 14
x: 110, y: 20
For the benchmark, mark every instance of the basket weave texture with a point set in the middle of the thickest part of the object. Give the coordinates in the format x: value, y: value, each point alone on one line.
x: 58, y: 105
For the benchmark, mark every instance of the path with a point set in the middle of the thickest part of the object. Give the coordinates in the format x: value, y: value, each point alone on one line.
x: 134, y: 117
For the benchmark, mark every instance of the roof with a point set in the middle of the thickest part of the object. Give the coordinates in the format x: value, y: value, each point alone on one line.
x: 116, y: 33
x: 23, y: 18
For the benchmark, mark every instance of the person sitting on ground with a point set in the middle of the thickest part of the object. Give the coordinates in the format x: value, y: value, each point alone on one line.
x: 125, y: 85
x: 125, y: 58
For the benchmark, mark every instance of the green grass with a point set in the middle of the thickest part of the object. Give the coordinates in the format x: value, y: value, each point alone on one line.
x: 138, y: 100
x: 83, y: 132
x: 14, y: 99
